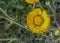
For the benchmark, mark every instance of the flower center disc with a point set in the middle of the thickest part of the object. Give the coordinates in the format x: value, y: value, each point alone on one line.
x: 38, y: 20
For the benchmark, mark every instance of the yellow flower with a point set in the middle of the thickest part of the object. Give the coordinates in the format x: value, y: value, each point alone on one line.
x: 38, y: 21
x: 56, y: 32
x: 48, y: 3
x: 32, y: 1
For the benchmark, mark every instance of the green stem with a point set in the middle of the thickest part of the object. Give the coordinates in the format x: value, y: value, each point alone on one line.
x: 5, y: 14
x: 14, y: 22
x: 33, y: 6
x: 55, y: 41
x: 8, y: 39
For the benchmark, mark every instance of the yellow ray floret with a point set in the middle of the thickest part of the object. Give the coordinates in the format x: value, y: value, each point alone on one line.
x: 38, y: 21
x: 31, y: 1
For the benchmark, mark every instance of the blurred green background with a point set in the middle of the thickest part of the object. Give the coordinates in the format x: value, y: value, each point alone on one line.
x: 13, y: 28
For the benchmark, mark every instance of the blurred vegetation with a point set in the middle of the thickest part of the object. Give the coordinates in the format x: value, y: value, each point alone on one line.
x: 13, y: 28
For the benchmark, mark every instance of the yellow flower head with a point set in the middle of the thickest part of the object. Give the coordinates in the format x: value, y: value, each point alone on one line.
x: 56, y: 32
x: 32, y: 1
x: 38, y: 21
x: 48, y: 3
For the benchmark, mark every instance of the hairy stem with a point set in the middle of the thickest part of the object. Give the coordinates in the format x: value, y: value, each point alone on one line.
x: 54, y: 16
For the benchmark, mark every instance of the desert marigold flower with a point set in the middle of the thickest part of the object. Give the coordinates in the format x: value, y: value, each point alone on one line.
x: 47, y: 3
x: 56, y: 32
x: 32, y: 1
x: 38, y: 21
